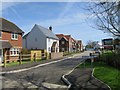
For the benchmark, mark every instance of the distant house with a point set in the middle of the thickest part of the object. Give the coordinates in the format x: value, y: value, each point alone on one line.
x: 74, y: 45
x: 63, y: 43
x: 117, y: 43
x: 10, y: 40
x: 108, y: 44
x: 79, y: 45
x: 68, y: 44
x: 41, y: 38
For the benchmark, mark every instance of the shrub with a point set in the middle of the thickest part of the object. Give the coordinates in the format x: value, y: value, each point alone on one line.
x: 25, y: 51
x: 112, y: 59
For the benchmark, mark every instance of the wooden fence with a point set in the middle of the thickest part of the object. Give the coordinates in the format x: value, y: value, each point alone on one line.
x: 23, y: 57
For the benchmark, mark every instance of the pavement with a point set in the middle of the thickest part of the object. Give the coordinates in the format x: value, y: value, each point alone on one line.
x: 44, y: 75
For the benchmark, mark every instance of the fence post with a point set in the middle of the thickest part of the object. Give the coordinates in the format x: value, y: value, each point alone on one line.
x: 92, y: 60
x: 34, y: 57
x: 5, y: 61
x: 20, y: 58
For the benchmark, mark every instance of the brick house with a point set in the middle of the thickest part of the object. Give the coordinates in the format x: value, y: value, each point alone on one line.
x: 108, y: 44
x: 79, y: 45
x: 63, y: 43
x: 10, y: 40
x: 66, y: 43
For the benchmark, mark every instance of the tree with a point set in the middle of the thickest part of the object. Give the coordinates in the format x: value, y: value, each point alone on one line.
x: 92, y: 44
x: 107, y: 16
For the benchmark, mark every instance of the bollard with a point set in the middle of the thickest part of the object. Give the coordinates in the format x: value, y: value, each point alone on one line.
x: 92, y: 60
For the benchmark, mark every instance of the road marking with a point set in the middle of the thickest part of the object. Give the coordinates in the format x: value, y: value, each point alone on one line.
x: 49, y: 85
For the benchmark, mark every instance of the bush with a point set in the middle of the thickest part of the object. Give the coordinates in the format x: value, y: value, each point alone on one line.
x: 25, y: 51
x: 111, y: 58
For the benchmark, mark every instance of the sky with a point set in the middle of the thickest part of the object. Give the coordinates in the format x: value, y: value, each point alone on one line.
x: 64, y: 17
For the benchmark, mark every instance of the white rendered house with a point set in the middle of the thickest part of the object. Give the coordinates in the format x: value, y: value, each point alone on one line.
x: 41, y: 38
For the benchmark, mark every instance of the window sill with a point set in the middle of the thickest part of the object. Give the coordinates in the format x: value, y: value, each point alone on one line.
x: 14, y: 55
x: 14, y: 39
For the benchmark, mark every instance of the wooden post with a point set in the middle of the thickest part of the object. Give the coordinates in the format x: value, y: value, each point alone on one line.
x: 5, y: 60
x: 92, y: 60
x: 34, y: 57
x: 20, y: 58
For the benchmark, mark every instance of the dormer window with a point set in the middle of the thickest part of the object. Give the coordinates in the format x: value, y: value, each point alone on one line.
x: 0, y: 34
x: 14, y: 36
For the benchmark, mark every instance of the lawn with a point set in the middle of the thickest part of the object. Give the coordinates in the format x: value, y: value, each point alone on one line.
x: 23, y: 62
x: 105, y: 73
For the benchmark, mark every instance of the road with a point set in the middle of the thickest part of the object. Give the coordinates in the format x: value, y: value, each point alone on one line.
x: 35, y: 78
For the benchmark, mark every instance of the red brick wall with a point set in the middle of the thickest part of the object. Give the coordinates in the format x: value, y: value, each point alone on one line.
x: 7, y: 36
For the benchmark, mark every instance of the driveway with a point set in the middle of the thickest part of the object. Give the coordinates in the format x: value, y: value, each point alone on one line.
x: 34, y: 78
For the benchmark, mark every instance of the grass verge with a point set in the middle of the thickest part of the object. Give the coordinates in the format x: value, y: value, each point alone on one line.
x: 105, y: 73
x: 23, y: 62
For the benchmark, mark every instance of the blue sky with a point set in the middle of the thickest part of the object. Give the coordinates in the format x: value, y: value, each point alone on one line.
x: 65, y: 17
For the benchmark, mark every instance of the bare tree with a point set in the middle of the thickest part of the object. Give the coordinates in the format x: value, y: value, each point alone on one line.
x: 107, y: 16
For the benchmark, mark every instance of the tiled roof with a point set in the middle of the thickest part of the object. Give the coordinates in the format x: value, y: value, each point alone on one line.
x: 47, y: 32
x: 5, y: 44
x: 8, y: 26
x: 61, y: 36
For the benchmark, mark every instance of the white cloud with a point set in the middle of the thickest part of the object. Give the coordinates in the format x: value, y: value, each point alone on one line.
x: 68, y: 19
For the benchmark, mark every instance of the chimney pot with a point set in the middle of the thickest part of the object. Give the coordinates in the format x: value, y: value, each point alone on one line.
x: 50, y: 28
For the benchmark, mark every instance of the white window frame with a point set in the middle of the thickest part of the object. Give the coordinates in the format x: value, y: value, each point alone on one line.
x: 0, y: 34
x: 15, y: 51
x: 13, y: 36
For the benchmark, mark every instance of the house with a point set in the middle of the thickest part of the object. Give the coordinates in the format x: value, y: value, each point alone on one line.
x: 117, y: 43
x: 79, y: 45
x: 41, y: 38
x: 63, y: 43
x: 10, y: 40
x: 68, y: 44
x: 74, y: 45
x: 108, y: 44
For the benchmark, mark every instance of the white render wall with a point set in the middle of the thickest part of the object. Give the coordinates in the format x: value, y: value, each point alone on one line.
x: 49, y: 42
x: 35, y: 40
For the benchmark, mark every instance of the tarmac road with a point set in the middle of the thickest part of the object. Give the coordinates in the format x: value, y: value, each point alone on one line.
x: 35, y: 78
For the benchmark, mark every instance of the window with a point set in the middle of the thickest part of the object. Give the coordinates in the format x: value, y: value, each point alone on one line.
x: 0, y: 34
x: 49, y: 49
x: 63, y: 49
x: 14, y: 51
x: 14, y: 36
x: 63, y: 42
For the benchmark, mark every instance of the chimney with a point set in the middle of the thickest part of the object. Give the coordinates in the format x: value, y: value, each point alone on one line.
x: 50, y: 28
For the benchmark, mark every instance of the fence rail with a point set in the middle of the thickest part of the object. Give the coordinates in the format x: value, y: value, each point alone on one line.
x: 20, y: 58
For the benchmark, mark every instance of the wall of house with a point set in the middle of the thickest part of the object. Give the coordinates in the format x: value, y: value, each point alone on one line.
x: 49, y: 42
x: 65, y: 45
x: 14, y: 43
x: 35, y: 40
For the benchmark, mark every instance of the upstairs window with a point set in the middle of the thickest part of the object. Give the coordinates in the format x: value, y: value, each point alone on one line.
x: 14, y: 36
x: 0, y: 34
